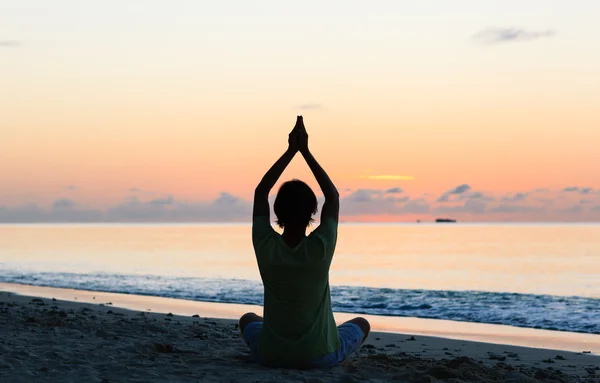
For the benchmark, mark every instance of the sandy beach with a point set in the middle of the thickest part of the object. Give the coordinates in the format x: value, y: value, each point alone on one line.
x: 54, y: 340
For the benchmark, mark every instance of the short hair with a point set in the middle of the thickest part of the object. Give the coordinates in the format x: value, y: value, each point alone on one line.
x: 295, y: 203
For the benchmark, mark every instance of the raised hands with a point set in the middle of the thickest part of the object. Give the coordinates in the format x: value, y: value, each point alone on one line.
x: 298, y: 138
x: 298, y: 142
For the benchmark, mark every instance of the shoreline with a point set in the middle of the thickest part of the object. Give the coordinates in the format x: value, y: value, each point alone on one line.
x: 55, y: 340
x: 466, y: 331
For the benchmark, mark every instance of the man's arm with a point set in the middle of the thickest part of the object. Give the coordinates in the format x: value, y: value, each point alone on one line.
x: 261, y: 193
x: 331, y: 207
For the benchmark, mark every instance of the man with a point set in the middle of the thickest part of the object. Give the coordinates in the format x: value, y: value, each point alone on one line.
x: 298, y: 329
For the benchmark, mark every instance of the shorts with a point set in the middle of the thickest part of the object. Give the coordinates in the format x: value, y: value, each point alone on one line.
x: 351, y: 337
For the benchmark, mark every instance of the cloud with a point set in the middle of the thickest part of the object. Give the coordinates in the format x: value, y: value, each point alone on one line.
x: 162, y: 201
x: 21, y: 214
x: 480, y: 203
x: 471, y: 206
x: 63, y: 203
x: 369, y: 195
x: 224, y: 208
x: 363, y: 195
x: 516, y: 197
x: 459, y: 189
x: 580, y: 190
x: 416, y: 206
x: 394, y: 191
x: 480, y: 196
x: 139, y: 191
x: 373, y: 202
x: 574, y: 209
x: 515, y: 209
x: 443, y: 198
x: 456, y: 191
x: 62, y: 210
x: 9, y: 44
x: 546, y: 201
x: 504, y: 35
x: 310, y: 106
x: 71, y: 187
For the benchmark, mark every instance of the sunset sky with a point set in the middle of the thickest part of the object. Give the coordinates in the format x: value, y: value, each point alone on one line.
x: 173, y: 110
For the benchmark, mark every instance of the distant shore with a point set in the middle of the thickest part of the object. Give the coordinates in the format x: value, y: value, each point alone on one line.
x: 64, y: 339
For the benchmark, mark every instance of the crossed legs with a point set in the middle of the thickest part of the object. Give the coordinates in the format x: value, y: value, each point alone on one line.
x: 359, y: 321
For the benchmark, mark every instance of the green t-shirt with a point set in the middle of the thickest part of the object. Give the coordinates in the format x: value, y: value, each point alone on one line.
x: 298, y: 319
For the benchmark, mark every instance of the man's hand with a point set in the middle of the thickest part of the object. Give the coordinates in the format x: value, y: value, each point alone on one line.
x: 302, y: 136
x: 293, y: 138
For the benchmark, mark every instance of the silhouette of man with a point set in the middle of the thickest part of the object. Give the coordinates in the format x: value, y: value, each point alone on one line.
x: 298, y: 329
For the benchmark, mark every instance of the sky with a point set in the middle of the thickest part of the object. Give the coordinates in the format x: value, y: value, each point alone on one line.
x: 173, y: 110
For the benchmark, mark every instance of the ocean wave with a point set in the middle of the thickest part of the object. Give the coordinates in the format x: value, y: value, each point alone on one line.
x: 573, y: 314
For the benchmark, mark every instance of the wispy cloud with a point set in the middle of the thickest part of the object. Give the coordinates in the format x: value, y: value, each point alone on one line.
x: 471, y: 206
x: 481, y: 196
x: 495, y: 35
x: 580, y: 190
x: 310, y: 106
x: 460, y: 202
x: 71, y: 187
x: 456, y: 191
x: 162, y: 201
x: 139, y: 191
x: 224, y: 208
x: 373, y: 202
x: 509, y: 208
x: 395, y: 191
x: 63, y: 203
x: 516, y: 197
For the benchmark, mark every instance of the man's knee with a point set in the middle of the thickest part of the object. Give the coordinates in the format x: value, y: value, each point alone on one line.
x: 247, y: 319
x: 363, y: 324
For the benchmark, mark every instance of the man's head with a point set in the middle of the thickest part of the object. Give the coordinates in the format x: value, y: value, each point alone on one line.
x: 295, y: 204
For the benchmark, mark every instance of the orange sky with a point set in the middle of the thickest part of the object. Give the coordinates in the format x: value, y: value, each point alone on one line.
x: 107, y: 100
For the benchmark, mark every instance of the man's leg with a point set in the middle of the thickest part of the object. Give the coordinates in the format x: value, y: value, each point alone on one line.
x: 248, y: 318
x: 364, y: 326
x: 251, y: 327
x: 352, y: 335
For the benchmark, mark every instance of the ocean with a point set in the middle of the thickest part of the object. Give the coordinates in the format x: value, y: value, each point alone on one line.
x: 526, y: 275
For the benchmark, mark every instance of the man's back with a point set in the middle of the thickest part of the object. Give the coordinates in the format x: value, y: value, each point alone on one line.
x: 298, y: 319
x: 298, y: 328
